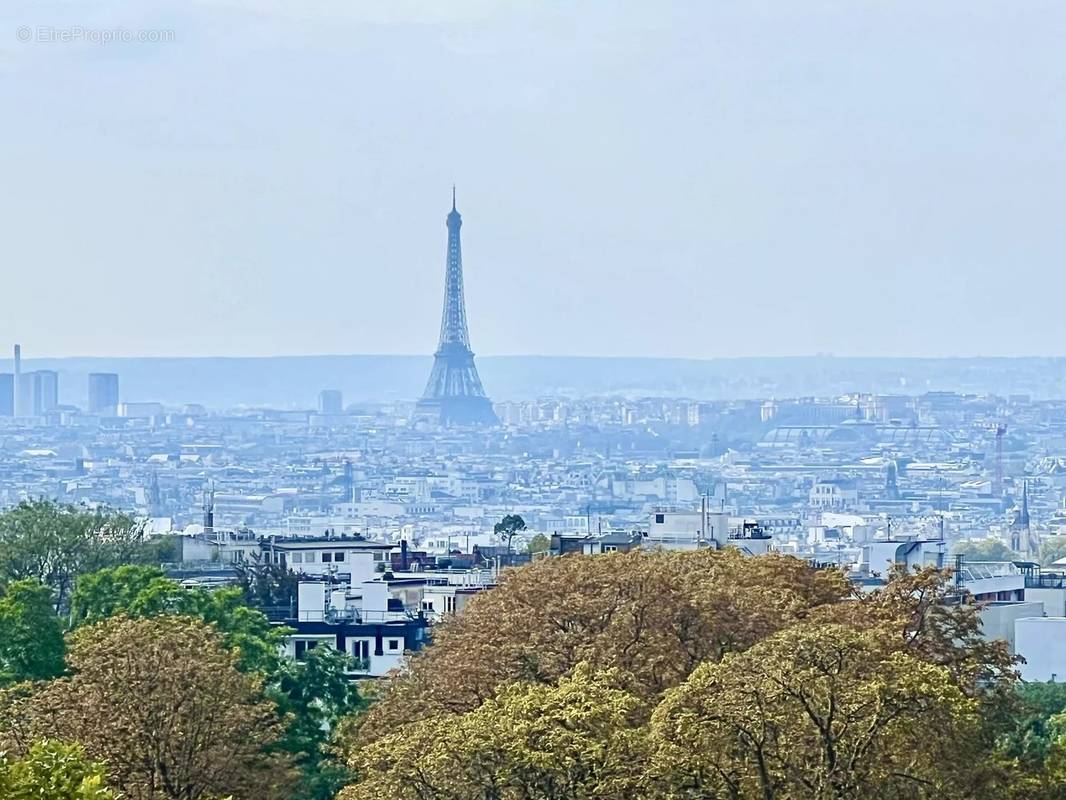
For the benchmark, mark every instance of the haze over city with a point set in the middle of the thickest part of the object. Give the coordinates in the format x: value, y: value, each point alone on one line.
x: 491, y: 400
x: 673, y: 179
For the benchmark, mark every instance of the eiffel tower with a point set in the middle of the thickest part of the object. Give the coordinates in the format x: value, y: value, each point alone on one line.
x: 454, y: 394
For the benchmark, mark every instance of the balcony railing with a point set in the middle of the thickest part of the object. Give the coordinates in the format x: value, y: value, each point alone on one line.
x: 353, y: 616
x: 1046, y: 580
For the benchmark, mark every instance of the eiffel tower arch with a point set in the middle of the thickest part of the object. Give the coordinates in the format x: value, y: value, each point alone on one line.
x: 454, y: 394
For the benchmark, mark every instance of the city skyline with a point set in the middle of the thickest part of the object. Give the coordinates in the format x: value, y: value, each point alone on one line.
x: 788, y: 169
x: 738, y: 467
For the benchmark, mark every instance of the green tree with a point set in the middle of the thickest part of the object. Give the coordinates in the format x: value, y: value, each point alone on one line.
x: 267, y: 584
x: 1052, y: 548
x: 538, y: 544
x: 507, y: 527
x: 159, y: 549
x: 55, y: 544
x: 316, y: 694
x: 110, y: 591
x: 31, y: 635
x: 145, y: 592
x: 53, y: 771
x: 985, y: 550
x: 1043, y: 758
x: 1034, y: 734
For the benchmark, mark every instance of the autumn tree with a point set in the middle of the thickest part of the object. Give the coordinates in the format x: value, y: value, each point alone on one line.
x: 54, y: 544
x: 655, y: 615
x: 820, y: 712
x: 313, y: 695
x: 925, y: 612
x: 763, y: 678
x: 579, y: 739
x: 161, y: 702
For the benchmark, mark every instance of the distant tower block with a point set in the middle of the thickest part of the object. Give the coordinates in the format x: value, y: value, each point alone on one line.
x: 20, y: 395
x: 7, y: 394
x: 330, y: 401
x: 454, y: 394
x: 103, y: 393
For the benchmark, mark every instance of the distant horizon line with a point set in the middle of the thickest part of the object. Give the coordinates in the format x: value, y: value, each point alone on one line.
x: 699, y: 359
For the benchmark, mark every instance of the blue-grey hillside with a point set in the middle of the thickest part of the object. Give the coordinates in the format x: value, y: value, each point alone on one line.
x: 293, y: 381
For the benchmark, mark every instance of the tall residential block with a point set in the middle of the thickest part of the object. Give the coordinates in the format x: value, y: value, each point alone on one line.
x: 7, y: 394
x: 330, y: 401
x: 44, y: 391
x: 103, y: 393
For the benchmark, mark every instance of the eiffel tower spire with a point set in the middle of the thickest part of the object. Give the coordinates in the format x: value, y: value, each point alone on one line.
x: 454, y: 392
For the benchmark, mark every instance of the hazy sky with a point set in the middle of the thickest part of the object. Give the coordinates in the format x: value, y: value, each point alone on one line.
x: 702, y: 179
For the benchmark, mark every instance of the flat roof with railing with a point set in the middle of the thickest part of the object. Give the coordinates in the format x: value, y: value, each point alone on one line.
x: 980, y: 570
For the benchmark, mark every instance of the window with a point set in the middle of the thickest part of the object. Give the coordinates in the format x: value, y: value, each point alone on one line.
x: 327, y: 557
x: 301, y: 646
x: 393, y: 645
x: 660, y: 519
x: 449, y: 605
x: 338, y: 558
x: 608, y: 548
x: 309, y: 557
x: 379, y: 556
x: 297, y: 558
x: 427, y: 605
x: 361, y: 652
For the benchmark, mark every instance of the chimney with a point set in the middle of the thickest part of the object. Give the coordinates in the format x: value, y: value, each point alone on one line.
x: 209, y: 510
